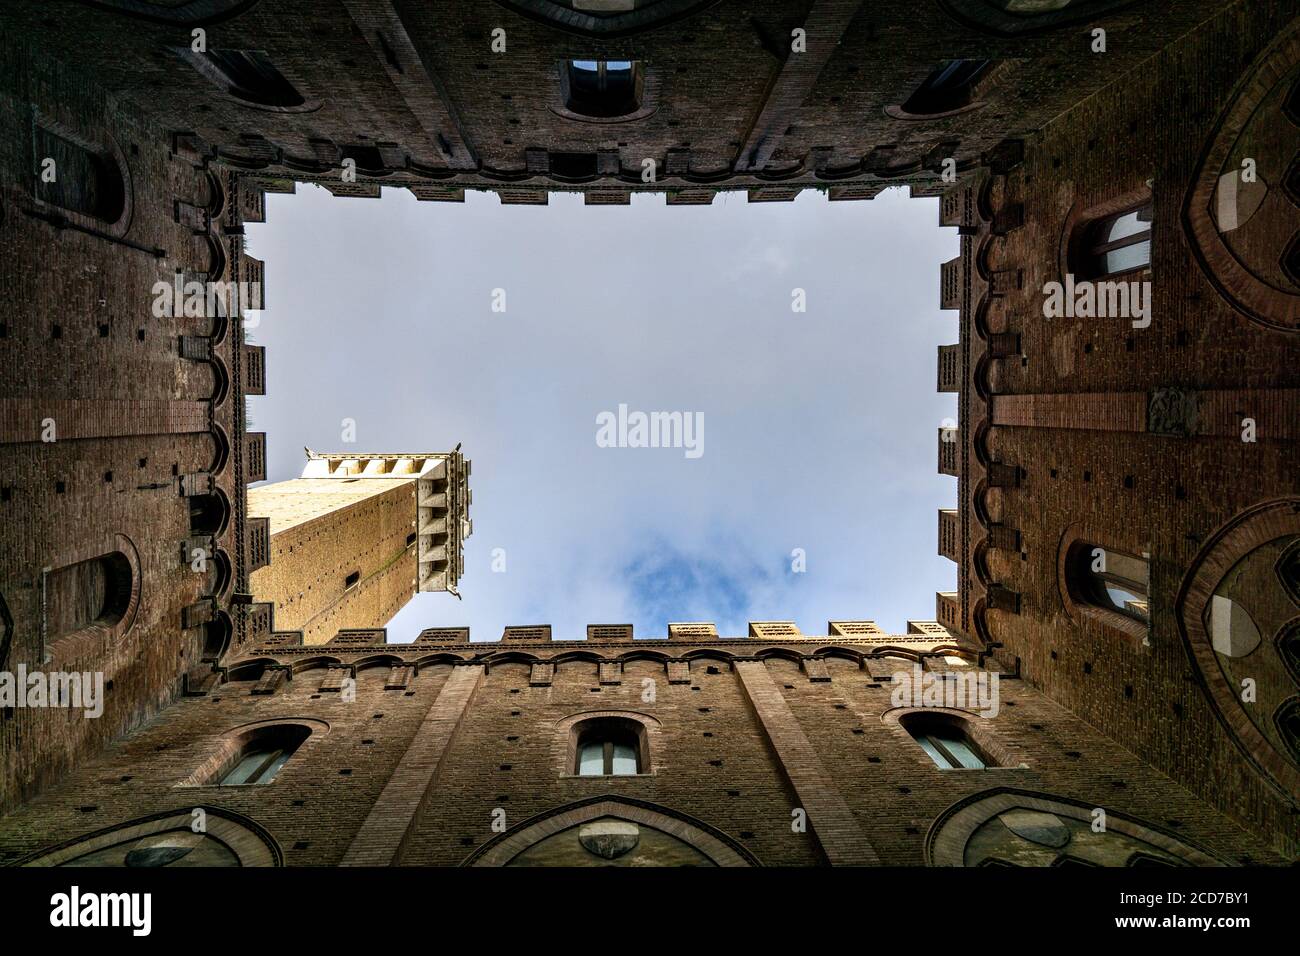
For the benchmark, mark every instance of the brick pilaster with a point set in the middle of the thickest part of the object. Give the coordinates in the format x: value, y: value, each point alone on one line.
x: 837, y: 829
x: 384, y: 833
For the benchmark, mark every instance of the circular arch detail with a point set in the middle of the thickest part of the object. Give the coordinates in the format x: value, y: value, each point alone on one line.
x: 1244, y: 533
x: 711, y: 842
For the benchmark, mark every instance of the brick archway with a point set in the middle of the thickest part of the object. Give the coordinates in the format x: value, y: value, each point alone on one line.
x: 945, y: 844
x: 1251, y: 529
x: 241, y: 836
x: 1213, y: 219
x: 713, y: 844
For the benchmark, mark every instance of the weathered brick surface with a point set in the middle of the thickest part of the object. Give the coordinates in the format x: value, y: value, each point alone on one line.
x: 840, y: 836
x: 1073, y: 415
x: 322, y: 531
x: 99, y: 416
x: 389, y: 824
x: 1054, y: 436
x: 431, y: 767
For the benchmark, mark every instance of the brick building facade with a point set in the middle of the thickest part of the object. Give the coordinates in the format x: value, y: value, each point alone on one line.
x: 1125, y: 520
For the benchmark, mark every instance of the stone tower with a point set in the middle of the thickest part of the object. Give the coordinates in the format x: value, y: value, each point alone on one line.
x: 357, y: 535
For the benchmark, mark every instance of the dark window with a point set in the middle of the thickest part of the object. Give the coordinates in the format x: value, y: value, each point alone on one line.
x: 1288, y: 570
x: 249, y: 75
x: 1288, y: 647
x: 608, y: 746
x: 94, y: 592
x: 207, y: 514
x: 944, y: 741
x: 262, y: 756
x: 1110, y: 580
x: 366, y: 157
x: 1287, y: 720
x: 351, y: 580
x: 84, y: 181
x: 1115, y: 244
x: 602, y: 88
x: 573, y: 165
x: 950, y: 87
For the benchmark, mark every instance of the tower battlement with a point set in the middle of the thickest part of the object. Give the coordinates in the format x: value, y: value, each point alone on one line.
x: 357, y: 535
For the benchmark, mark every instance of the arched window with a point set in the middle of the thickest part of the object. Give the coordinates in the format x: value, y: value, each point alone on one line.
x: 602, y: 88
x: 1288, y: 570
x: 208, y: 513
x: 944, y: 739
x: 1114, y: 245
x: 950, y: 87
x: 263, y: 755
x: 94, y: 593
x: 1288, y: 648
x: 248, y: 75
x: 1110, y: 580
x: 608, y: 747
x: 1287, y: 722
x: 76, y: 178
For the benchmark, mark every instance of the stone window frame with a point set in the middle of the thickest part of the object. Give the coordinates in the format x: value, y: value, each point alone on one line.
x: 106, y: 149
x: 565, y: 749
x: 226, y: 751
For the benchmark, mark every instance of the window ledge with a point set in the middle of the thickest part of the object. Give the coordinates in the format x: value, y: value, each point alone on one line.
x: 607, y: 776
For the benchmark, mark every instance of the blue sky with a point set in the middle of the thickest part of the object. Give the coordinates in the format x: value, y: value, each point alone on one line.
x: 819, y: 426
